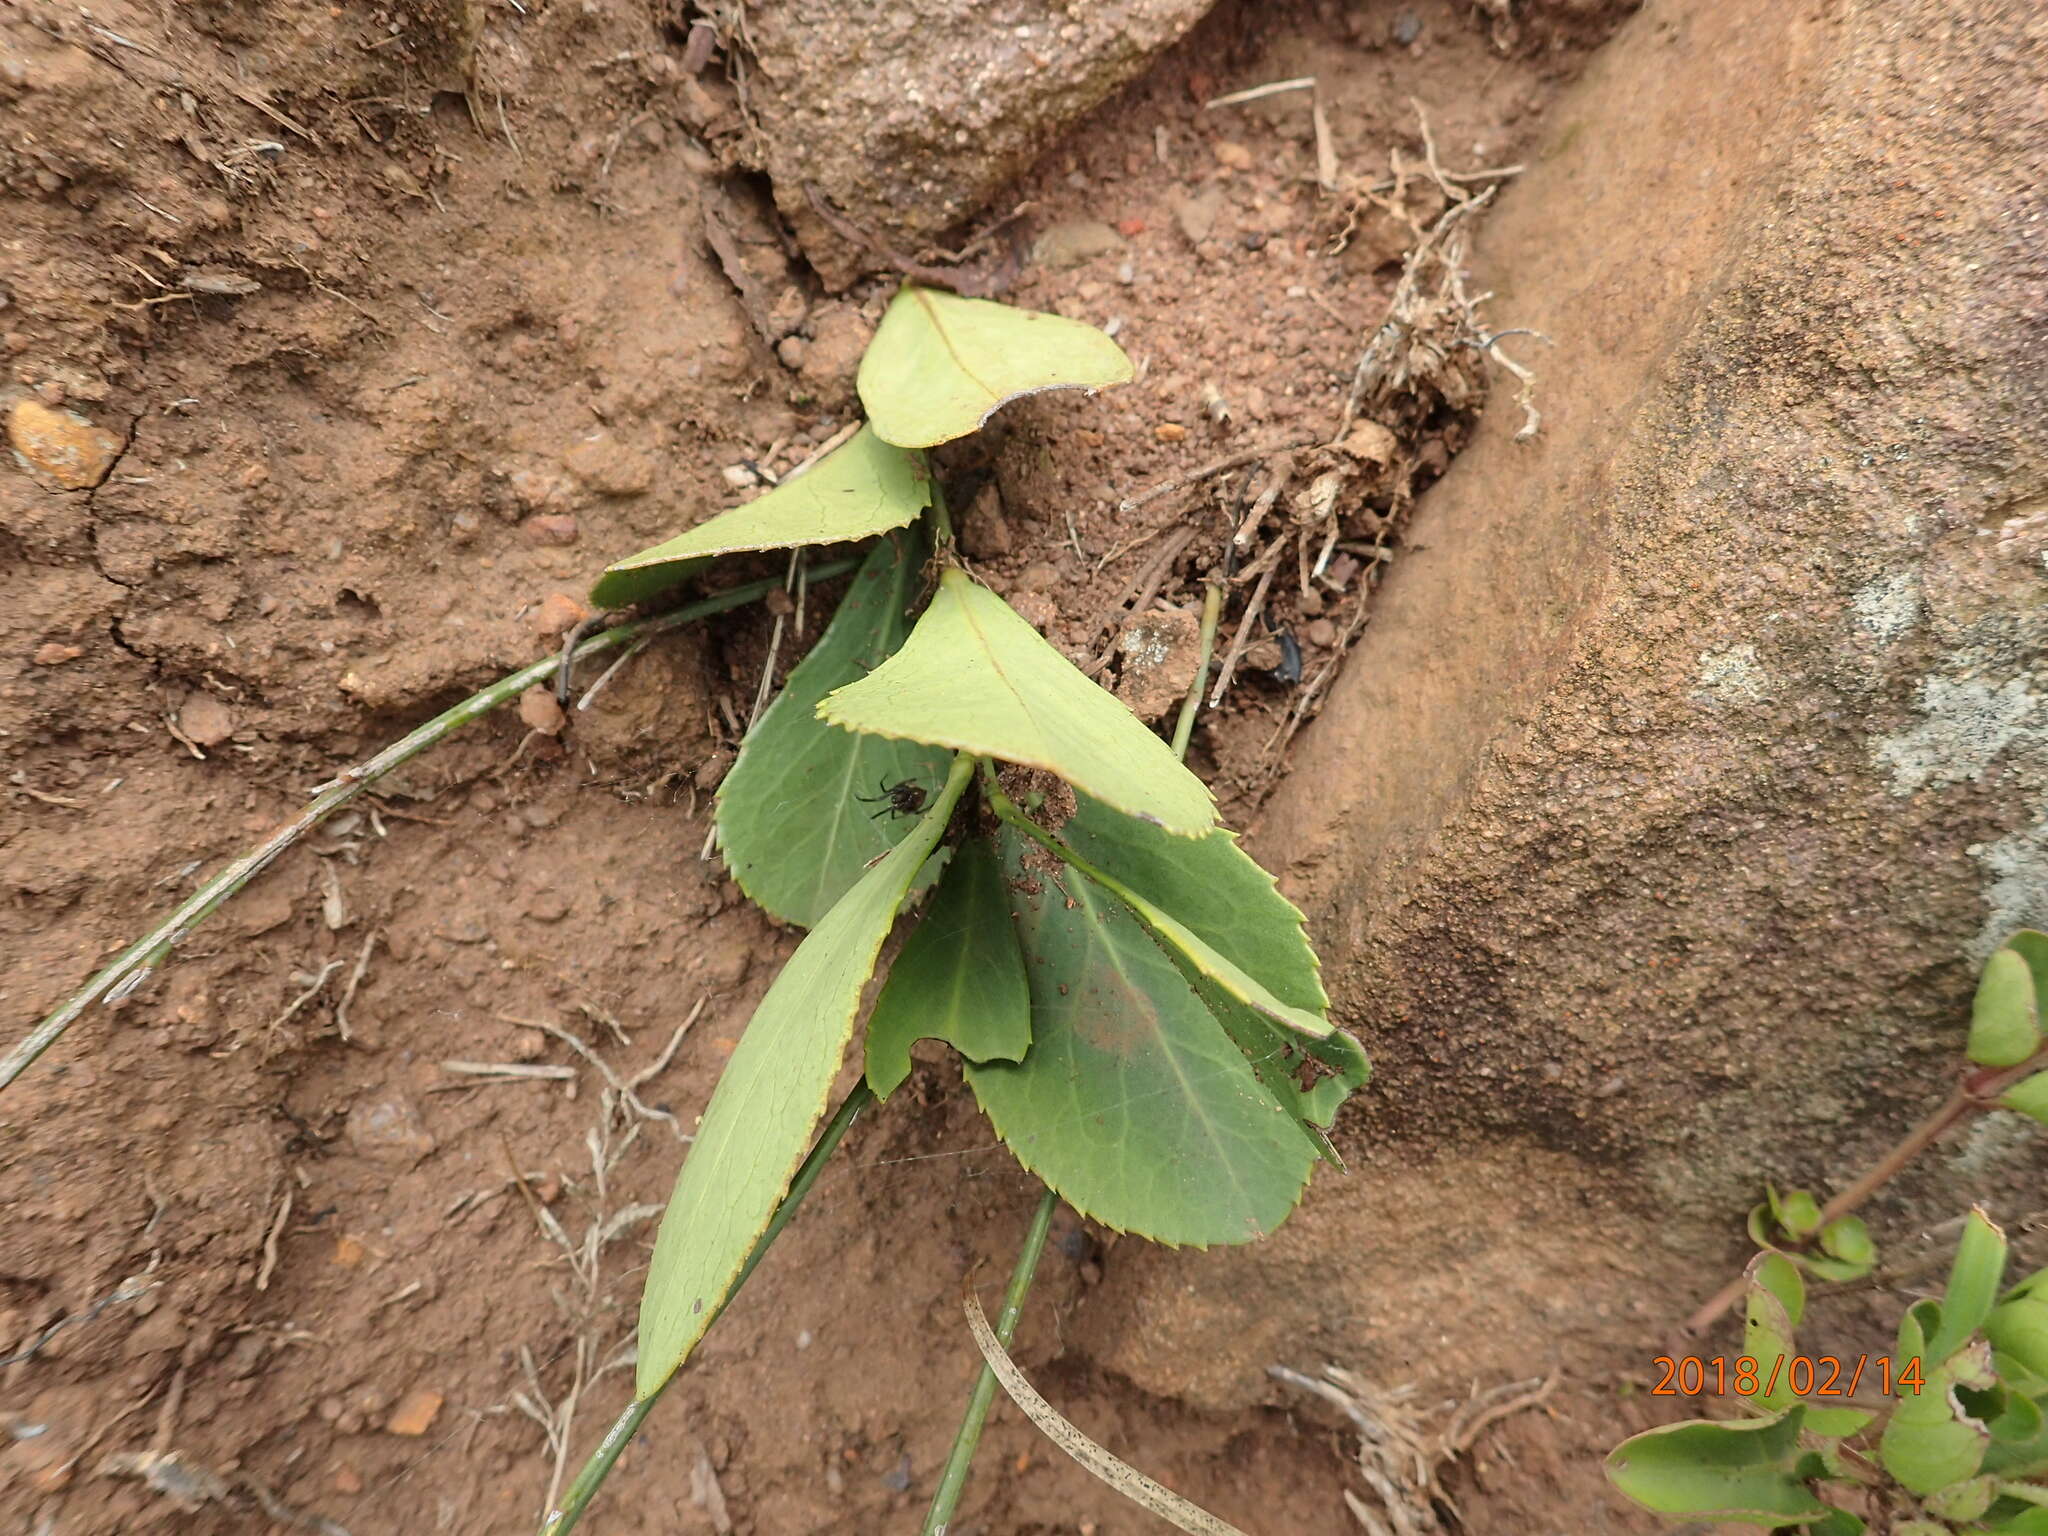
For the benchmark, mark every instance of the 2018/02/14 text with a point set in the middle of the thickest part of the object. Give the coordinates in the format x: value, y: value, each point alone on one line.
x: 1805, y: 1375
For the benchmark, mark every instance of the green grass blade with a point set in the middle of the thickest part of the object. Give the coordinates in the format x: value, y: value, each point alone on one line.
x: 793, y: 827
x: 768, y: 1100
x: 940, y: 365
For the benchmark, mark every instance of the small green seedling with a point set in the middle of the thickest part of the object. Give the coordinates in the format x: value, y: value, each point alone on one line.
x: 1139, y: 1012
x: 1958, y: 1441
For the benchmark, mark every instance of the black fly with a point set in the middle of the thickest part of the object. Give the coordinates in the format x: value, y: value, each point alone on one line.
x: 904, y: 798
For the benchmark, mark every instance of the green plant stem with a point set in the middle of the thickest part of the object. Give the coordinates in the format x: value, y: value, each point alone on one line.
x: 1212, y: 611
x: 1977, y: 1093
x: 580, y: 1492
x: 942, y: 516
x: 129, y: 968
x: 953, y: 1479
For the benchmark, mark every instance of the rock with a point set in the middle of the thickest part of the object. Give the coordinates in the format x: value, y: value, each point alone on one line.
x: 1196, y: 215
x: 415, y: 1413
x: 839, y: 336
x: 1160, y: 652
x: 52, y: 654
x: 1074, y: 243
x: 984, y: 530
x: 607, y: 466
x: 388, y: 1131
x: 556, y: 614
x: 907, y: 118
x: 540, y: 710
x: 205, y: 719
x: 61, y: 449
x: 1543, y: 843
x: 550, y: 528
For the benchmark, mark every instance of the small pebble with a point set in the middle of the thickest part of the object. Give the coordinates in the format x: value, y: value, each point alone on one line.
x: 556, y: 614
x: 549, y: 528
x: 205, y: 720
x: 54, y: 655
x: 1322, y: 632
x: 1126, y: 273
x: 1235, y: 156
x: 539, y: 709
x: 803, y: 1339
x: 1170, y: 432
x: 790, y: 351
x: 415, y: 1413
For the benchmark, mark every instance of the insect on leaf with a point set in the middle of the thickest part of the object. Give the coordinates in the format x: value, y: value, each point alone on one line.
x: 862, y: 488
x: 975, y: 677
x: 959, y: 977
x: 1132, y: 1102
x: 792, y: 822
x: 940, y: 365
x: 768, y: 1101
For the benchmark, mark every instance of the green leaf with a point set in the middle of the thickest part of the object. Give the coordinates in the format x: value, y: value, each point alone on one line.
x: 1838, y: 1522
x: 1849, y: 1240
x: 1929, y: 1441
x: 1776, y: 1302
x: 768, y: 1100
x: 1796, y: 1212
x: 2005, y: 1019
x: 1973, y: 1283
x: 860, y: 489
x: 940, y: 365
x: 1279, y: 1058
x: 1837, y: 1423
x: 1132, y: 1102
x: 1212, y: 887
x: 959, y: 977
x: 1920, y: 1528
x: 792, y: 821
x: 1962, y: 1501
x: 2018, y: 1326
x: 2021, y: 1522
x: 1215, y: 892
x: 975, y: 677
x: 1743, y: 1469
x: 2032, y: 947
x: 2029, y: 1097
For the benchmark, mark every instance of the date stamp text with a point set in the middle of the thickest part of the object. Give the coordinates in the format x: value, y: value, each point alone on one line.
x: 1803, y: 1375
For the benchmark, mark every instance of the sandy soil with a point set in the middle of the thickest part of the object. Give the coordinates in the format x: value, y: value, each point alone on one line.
x: 378, y: 371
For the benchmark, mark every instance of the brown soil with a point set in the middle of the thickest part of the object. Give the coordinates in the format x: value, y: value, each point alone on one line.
x: 384, y: 369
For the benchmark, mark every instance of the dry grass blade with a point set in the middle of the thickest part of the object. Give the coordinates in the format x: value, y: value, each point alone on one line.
x: 1125, y: 1479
